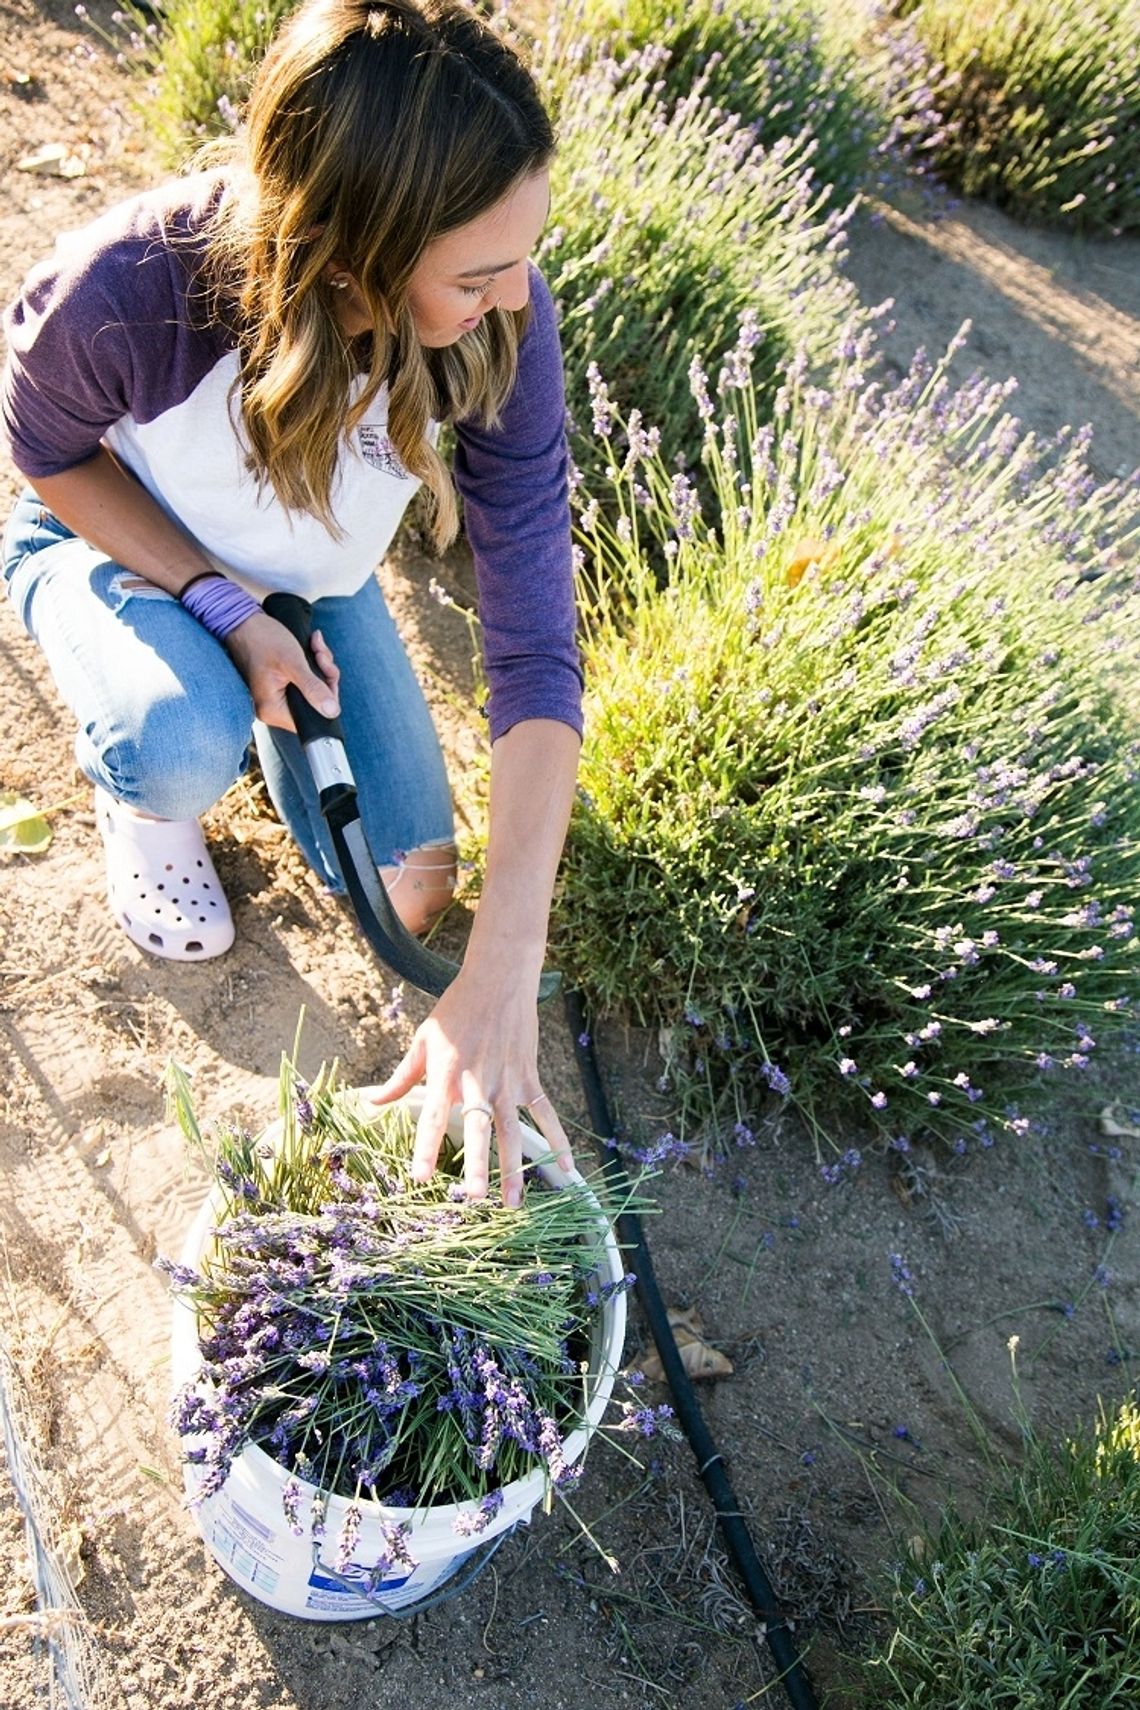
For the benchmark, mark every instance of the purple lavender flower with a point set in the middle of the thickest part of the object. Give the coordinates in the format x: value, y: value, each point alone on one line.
x: 699, y: 386
x: 467, y: 1524
x: 686, y: 506
x: 349, y: 1537
x: 181, y: 1276
x: 601, y: 404
x: 317, y: 1516
x: 776, y: 1079
x: 302, y: 1104
x: 395, y: 1554
x: 667, y: 1148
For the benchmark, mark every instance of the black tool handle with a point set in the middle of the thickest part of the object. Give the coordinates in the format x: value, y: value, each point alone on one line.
x: 391, y: 940
x: 297, y: 616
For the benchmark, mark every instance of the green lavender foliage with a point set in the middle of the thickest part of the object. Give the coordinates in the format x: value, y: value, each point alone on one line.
x: 1034, y: 1601
x: 1045, y: 97
x: 652, y: 258
x: 860, y: 797
x: 785, y: 68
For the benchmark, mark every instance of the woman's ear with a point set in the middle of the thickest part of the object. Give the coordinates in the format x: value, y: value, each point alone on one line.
x: 336, y: 274
x: 349, y: 304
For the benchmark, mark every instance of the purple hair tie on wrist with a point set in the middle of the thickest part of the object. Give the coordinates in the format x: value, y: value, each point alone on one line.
x: 218, y: 604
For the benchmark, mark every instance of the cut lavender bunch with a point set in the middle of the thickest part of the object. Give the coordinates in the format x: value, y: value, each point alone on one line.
x: 379, y: 1338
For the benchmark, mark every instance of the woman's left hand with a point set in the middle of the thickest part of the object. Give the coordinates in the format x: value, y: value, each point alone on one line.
x: 479, y: 1049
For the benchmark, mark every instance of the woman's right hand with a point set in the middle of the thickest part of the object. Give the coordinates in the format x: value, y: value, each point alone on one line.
x: 269, y: 659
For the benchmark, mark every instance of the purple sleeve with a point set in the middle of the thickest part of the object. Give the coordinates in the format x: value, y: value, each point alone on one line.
x: 67, y: 378
x: 101, y: 330
x: 513, y: 480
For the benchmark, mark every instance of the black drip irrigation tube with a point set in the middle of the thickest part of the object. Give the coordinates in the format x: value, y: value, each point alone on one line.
x: 710, y: 1462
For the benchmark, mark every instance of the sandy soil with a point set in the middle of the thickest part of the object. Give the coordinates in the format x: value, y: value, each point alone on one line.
x: 792, y: 1279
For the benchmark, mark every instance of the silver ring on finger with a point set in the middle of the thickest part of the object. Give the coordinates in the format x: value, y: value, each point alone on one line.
x: 543, y: 1098
x: 478, y: 1105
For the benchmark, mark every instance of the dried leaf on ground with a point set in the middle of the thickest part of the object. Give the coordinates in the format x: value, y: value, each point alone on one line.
x: 23, y: 830
x: 53, y: 160
x: 698, y: 1357
x: 1114, y: 1122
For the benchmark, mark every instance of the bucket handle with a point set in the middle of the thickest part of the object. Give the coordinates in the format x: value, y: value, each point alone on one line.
x: 467, y: 1575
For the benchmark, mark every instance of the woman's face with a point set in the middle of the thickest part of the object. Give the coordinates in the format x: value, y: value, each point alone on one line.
x: 458, y: 277
x: 476, y: 267
x: 479, y: 266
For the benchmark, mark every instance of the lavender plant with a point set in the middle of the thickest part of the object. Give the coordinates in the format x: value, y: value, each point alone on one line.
x: 194, y: 59
x: 651, y: 260
x: 379, y: 1338
x: 860, y: 800
x: 785, y: 69
x: 1046, y: 103
x: 1036, y: 1600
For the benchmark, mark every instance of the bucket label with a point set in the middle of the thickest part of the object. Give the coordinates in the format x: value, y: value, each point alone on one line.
x: 244, y: 1555
x: 357, y: 1576
x: 325, y: 1590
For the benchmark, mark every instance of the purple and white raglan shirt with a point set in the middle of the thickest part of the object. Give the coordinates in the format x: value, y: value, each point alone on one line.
x: 105, y: 346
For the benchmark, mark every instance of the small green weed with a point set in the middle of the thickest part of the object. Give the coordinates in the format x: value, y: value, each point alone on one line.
x: 1036, y: 1601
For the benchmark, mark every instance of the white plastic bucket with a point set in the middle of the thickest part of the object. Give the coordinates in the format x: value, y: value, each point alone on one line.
x: 244, y: 1523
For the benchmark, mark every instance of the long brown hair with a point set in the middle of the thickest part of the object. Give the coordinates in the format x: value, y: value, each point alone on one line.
x: 373, y: 128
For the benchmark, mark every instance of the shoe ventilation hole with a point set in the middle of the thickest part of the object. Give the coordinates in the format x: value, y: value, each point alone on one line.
x: 155, y: 939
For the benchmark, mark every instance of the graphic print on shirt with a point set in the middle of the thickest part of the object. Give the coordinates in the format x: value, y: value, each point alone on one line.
x: 378, y: 451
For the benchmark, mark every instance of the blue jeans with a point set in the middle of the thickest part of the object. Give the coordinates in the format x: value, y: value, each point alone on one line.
x: 165, y: 717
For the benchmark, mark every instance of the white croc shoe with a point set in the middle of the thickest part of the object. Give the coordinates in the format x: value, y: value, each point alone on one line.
x: 161, y: 884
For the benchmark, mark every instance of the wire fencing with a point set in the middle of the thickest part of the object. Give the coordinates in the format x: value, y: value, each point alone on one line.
x: 67, y: 1672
